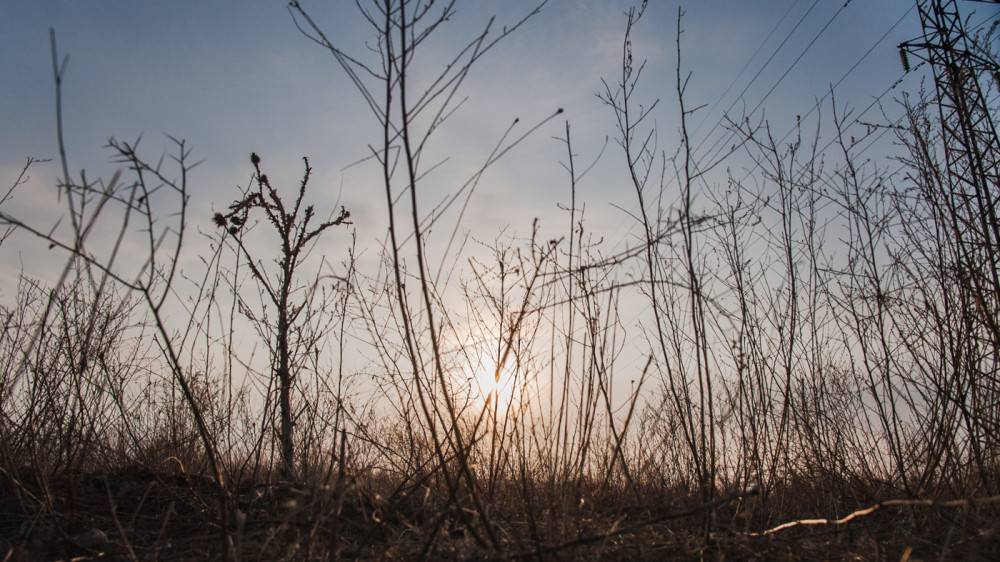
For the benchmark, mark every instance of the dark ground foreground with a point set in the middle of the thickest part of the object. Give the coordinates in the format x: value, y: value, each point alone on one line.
x: 142, y: 515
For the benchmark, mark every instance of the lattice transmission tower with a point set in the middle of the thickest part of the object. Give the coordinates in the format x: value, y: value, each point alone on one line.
x: 969, y: 139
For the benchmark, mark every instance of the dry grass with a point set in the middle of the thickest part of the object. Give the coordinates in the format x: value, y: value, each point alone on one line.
x: 169, y: 516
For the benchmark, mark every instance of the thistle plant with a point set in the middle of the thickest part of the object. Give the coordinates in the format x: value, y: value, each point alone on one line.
x: 296, y: 230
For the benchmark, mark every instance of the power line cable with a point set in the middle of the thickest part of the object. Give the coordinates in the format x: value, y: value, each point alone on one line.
x: 756, y: 76
x: 816, y: 106
x: 746, y: 66
x: 761, y: 70
x: 725, y: 139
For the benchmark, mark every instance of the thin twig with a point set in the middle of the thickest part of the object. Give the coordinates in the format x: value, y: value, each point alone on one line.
x: 876, y: 507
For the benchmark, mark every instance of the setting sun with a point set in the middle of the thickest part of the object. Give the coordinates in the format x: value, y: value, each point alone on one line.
x: 491, y: 385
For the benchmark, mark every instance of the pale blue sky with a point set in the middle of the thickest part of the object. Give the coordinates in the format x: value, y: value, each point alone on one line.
x: 235, y: 77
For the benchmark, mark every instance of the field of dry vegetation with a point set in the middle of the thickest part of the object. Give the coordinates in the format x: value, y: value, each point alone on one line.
x: 819, y: 372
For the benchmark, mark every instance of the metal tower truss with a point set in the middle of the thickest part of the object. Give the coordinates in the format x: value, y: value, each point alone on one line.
x: 971, y: 146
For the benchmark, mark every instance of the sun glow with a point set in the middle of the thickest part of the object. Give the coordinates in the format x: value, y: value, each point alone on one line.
x: 497, y: 388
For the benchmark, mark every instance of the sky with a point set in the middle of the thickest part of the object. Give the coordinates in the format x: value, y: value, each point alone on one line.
x: 235, y: 77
